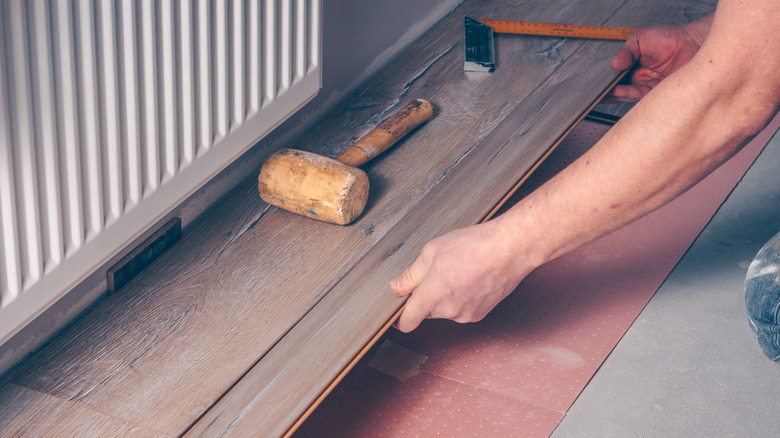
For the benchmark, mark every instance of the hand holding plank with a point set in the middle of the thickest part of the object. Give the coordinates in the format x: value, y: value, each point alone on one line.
x: 460, y: 276
x: 654, y: 53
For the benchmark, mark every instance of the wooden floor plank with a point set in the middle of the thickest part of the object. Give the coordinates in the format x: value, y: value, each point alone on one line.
x: 359, y: 305
x: 167, y: 346
x: 29, y: 413
x: 263, y: 401
x: 171, y: 343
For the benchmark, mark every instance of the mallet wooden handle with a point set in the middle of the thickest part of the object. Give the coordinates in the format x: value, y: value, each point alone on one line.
x: 387, y: 133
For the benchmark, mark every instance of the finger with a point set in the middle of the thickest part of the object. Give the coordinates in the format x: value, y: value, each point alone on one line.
x: 628, y: 93
x: 626, y: 56
x: 613, y: 97
x: 408, y: 280
x: 414, y: 313
x: 619, y: 94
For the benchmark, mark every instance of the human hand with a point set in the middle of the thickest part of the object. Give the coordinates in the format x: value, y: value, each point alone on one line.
x: 654, y: 53
x: 460, y: 276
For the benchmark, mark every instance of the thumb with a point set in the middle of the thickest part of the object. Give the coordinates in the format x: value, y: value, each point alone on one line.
x: 408, y: 280
x: 626, y: 56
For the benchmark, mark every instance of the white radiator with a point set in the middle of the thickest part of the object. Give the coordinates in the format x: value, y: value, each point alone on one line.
x: 114, y: 111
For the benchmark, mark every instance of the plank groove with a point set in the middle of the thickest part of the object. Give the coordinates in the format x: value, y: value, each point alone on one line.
x: 213, y: 333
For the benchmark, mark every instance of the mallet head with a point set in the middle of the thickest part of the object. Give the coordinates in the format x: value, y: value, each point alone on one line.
x: 314, y: 186
x: 334, y: 190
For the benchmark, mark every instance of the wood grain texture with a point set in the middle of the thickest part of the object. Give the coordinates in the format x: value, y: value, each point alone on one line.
x: 361, y: 302
x: 253, y: 295
x: 29, y: 413
x: 261, y: 402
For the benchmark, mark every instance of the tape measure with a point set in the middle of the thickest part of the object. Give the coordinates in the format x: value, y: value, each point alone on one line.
x: 560, y: 30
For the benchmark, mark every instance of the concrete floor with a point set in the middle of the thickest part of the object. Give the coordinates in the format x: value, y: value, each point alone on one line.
x: 688, y: 366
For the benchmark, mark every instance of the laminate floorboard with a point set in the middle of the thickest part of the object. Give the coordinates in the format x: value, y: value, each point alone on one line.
x: 28, y: 413
x: 242, y: 324
x: 360, y: 304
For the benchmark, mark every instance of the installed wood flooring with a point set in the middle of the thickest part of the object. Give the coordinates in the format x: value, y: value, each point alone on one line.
x: 241, y: 326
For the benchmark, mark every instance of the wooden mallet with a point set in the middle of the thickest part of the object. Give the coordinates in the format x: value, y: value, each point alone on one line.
x: 331, y: 190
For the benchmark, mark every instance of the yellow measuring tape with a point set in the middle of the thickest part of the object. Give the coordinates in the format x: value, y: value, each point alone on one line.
x: 560, y: 30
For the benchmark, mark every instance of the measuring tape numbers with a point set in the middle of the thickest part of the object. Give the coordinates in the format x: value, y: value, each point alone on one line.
x: 559, y: 30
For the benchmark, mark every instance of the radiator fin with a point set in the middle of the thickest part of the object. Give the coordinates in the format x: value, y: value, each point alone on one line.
x: 111, y: 112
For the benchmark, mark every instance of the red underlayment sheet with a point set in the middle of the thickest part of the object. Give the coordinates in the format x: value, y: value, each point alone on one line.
x: 517, y: 372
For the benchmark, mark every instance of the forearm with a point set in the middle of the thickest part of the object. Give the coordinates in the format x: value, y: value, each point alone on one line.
x: 683, y: 129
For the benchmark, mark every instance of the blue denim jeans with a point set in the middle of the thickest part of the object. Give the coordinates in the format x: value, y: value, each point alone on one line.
x: 762, y: 297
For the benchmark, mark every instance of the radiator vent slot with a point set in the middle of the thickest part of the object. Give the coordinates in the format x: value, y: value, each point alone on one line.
x: 112, y: 112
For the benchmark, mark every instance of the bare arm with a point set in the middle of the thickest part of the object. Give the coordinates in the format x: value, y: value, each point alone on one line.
x: 682, y: 129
